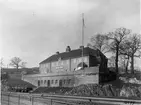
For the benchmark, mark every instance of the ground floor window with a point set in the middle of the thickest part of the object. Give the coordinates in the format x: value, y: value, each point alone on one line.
x: 45, y: 81
x: 64, y: 81
x: 38, y: 82
x: 56, y: 81
x: 60, y: 83
x: 41, y: 81
x: 52, y: 81
x: 69, y: 81
x: 48, y: 83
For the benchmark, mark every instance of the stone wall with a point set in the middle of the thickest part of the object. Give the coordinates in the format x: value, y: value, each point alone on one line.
x: 65, y: 79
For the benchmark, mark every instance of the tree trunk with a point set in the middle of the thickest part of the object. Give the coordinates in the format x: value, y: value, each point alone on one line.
x: 116, y: 60
x: 17, y: 67
x: 127, y: 63
x: 132, y: 64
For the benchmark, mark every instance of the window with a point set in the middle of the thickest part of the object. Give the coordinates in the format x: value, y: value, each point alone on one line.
x: 52, y: 81
x: 41, y: 81
x: 38, y: 82
x: 69, y: 81
x: 47, y: 71
x: 56, y: 81
x: 64, y: 81
x: 45, y: 81
x: 48, y: 83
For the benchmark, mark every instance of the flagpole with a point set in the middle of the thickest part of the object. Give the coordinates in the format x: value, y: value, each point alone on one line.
x: 82, y: 38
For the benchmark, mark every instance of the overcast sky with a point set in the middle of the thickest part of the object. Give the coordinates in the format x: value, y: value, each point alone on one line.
x: 35, y: 29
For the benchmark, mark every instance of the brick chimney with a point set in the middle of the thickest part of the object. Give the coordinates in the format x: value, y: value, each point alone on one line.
x: 68, y: 49
x: 81, y: 47
x: 57, y: 52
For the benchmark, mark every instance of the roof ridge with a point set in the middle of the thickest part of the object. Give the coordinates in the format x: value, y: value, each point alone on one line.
x: 70, y: 54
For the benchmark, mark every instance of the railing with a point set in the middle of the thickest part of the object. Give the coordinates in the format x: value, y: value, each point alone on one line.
x: 12, y: 98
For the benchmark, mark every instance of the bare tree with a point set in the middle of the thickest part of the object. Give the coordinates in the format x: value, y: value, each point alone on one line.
x: 125, y: 51
x: 123, y: 62
x: 17, y: 62
x: 116, y: 38
x: 127, y: 58
x: 131, y: 48
x: 1, y: 63
x: 99, y: 41
x: 135, y: 48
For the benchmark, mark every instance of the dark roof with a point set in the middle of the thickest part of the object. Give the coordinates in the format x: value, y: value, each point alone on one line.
x: 18, y: 82
x: 71, y: 54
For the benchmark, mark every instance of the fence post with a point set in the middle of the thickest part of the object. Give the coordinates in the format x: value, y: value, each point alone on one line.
x: 19, y: 100
x: 50, y: 101
x: 32, y: 100
x: 9, y: 99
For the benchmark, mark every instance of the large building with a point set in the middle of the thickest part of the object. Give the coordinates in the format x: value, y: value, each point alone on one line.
x: 70, y: 68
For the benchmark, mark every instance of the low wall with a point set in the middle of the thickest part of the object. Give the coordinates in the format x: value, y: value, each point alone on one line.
x: 91, y: 75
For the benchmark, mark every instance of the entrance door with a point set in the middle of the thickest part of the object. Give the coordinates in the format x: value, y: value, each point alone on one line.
x: 48, y: 83
x: 60, y: 83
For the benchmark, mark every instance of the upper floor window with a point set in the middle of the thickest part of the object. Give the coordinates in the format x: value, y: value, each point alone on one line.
x: 47, y: 70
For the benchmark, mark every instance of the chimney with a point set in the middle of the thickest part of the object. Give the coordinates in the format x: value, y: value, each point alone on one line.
x: 57, y: 52
x: 68, y: 49
x: 81, y: 47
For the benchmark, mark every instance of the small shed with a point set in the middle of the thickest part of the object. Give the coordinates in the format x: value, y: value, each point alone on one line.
x: 18, y: 85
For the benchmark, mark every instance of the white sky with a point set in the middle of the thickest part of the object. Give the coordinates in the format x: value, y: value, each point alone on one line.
x: 35, y: 29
